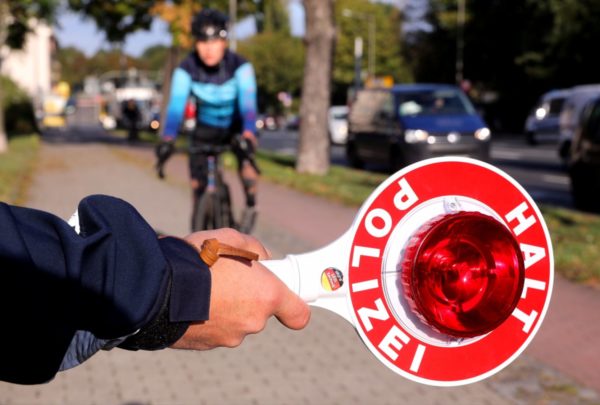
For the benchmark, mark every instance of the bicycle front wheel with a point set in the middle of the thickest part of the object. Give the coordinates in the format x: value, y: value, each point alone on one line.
x: 213, y: 211
x: 204, y: 217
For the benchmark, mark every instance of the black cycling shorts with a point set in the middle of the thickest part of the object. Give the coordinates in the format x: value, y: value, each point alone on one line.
x: 203, y: 135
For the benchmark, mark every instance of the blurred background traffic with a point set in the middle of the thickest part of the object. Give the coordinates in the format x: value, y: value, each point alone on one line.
x: 527, y: 70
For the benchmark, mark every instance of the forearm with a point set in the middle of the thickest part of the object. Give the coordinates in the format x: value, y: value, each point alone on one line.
x: 180, y: 90
x: 111, y: 279
x: 247, y: 96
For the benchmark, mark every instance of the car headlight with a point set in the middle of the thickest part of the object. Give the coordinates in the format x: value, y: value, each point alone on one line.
x: 343, y: 129
x: 415, y: 135
x: 541, y: 113
x: 483, y: 134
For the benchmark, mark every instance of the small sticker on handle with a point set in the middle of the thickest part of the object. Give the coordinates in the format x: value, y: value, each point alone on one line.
x: 332, y: 279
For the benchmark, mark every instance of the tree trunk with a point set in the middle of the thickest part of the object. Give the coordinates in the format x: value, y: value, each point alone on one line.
x: 313, y: 148
x: 3, y: 136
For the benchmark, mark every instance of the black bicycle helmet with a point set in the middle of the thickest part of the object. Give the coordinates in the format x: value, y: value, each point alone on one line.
x: 209, y: 24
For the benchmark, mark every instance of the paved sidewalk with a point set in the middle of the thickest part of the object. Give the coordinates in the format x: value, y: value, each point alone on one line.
x: 324, y: 364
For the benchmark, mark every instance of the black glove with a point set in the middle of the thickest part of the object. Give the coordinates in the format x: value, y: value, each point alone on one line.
x: 245, y: 149
x: 163, y: 152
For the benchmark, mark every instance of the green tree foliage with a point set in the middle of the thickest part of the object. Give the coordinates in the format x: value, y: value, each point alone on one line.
x: 17, y: 106
x: 352, y: 20
x: 431, y: 54
x: 516, y: 50
x: 153, y: 58
x: 116, y: 18
x: 278, y: 60
x: 16, y: 17
x: 272, y: 16
x: 574, y: 39
x: 107, y: 60
x: 277, y: 57
x: 74, y: 65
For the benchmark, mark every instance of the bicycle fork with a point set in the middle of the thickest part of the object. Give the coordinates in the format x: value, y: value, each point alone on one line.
x: 212, y: 189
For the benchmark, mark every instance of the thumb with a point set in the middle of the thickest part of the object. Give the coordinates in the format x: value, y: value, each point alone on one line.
x: 292, y: 312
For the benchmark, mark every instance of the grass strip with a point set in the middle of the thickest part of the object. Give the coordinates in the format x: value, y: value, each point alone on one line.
x: 16, y: 168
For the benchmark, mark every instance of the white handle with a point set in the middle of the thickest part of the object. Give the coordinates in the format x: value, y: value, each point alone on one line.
x: 304, y: 274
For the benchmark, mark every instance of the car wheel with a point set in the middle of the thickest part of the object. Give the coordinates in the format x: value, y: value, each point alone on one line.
x: 397, y: 160
x: 353, y: 159
x: 530, y: 138
x: 564, y: 152
x: 585, y: 196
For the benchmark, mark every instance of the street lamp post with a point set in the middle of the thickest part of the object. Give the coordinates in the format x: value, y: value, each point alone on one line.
x: 358, y: 51
x: 370, y: 18
x: 460, y: 43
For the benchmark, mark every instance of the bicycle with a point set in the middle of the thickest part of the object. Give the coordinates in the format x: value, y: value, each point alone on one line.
x: 213, y: 209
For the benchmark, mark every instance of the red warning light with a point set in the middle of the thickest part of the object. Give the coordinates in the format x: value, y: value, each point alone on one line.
x: 463, y: 274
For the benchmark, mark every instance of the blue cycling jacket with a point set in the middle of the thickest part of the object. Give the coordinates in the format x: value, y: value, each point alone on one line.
x: 223, y: 94
x: 63, y: 294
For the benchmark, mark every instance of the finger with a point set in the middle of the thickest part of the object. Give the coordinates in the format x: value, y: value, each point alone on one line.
x: 231, y: 237
x: 243, y: 241
x: 293, y: 312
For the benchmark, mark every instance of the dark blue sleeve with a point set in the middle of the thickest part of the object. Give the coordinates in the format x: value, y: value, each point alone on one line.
x: 110, y: 279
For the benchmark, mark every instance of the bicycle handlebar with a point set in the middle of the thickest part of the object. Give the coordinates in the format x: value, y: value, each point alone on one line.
x: 238, y: 142
x: 209, y: 149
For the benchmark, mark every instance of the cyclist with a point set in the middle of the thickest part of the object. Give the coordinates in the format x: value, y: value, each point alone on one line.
x: 223, y: 86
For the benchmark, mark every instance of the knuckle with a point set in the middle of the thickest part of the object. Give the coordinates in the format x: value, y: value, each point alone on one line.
x: 233, y: 341
x: 255, y: 327
x: 231, y: 234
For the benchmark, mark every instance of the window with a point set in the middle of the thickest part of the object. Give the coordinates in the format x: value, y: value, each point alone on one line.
x: 434, y: 102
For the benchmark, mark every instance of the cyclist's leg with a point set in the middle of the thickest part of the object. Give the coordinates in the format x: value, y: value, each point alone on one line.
x: 249, y: 179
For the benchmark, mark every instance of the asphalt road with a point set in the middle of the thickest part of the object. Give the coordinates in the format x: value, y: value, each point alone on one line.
x: 537, y: 168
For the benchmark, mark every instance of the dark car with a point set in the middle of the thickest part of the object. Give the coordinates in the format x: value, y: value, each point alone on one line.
x: 407, y: 123
x: 584, y: 161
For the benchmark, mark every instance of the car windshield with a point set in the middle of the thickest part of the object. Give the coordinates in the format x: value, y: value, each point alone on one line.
x: 555, y: 106
x: 434, y: 102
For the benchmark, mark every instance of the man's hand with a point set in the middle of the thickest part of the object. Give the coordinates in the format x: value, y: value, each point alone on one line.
x: 243, y: 297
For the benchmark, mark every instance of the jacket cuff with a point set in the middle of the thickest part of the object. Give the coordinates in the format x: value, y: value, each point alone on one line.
x: 190, y: 282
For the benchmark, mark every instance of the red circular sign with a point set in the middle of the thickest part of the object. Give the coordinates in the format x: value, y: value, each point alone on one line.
x: 407, y: 199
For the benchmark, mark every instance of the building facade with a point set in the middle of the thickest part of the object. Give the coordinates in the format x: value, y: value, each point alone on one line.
x: 32, y: 67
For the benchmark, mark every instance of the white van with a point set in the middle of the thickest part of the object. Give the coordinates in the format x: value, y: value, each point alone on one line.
x: 571, y: 111
x: 542, y: 121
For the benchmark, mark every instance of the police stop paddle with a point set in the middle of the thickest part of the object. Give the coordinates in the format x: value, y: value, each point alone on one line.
x: 446, y: 272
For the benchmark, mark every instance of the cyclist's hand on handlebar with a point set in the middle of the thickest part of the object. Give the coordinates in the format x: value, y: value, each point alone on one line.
x: 243, y: 297
x: 251, y: 137
x: 163, y: 152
